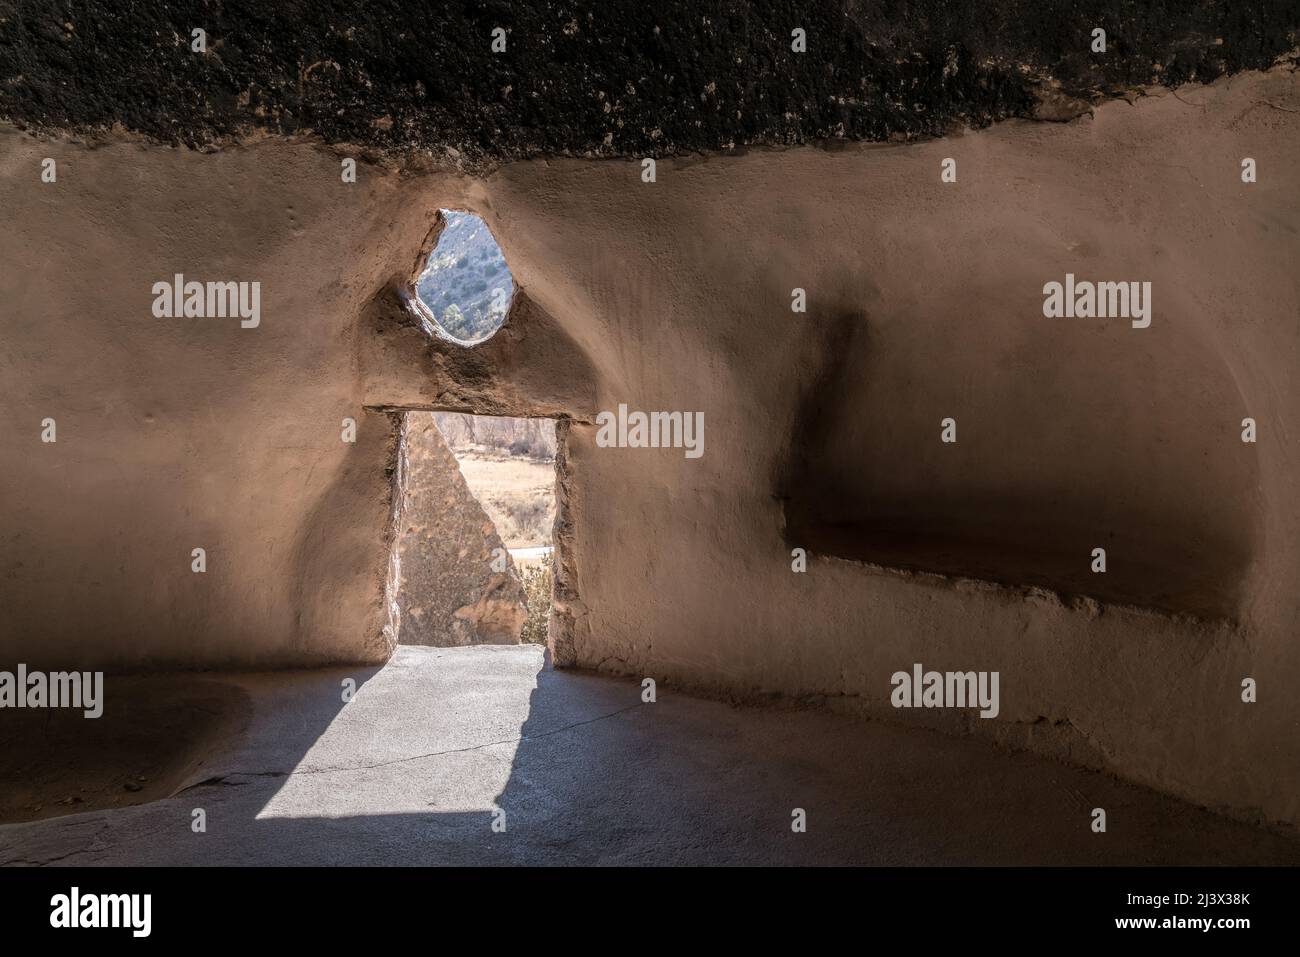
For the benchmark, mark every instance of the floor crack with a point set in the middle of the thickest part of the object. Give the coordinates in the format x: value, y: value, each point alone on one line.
x: 224, y: 778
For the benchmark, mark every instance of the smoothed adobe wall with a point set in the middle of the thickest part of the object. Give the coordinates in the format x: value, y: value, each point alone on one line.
x: 822, y: 430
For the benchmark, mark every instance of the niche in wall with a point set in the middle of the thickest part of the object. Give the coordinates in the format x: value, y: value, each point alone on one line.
x: 1068, y: 438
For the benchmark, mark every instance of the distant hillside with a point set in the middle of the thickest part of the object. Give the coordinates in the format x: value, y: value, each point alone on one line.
x: 509, y: 466
x: 467, y: 277
x: 534, y: 438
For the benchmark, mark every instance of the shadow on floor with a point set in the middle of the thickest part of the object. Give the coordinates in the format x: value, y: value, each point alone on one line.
x: 442, y: 743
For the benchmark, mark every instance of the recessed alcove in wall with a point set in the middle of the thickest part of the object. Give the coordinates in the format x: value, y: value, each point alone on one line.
x: 1069, y: 437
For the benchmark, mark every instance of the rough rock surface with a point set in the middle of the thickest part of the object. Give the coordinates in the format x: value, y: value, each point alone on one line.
x: 449, y: 593
x: 610, y: 79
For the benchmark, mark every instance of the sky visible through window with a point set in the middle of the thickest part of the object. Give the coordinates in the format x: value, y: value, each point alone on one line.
x: 466, y: 284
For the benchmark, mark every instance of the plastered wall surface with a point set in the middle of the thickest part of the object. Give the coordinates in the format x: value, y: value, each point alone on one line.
x: 924, y: 301
x: 183, y: 433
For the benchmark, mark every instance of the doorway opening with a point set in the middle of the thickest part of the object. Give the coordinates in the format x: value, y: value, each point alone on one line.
x: 476, y: 550
x: 509, y: 465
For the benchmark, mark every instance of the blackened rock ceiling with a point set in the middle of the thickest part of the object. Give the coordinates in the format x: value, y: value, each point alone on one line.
x: 614, y: 77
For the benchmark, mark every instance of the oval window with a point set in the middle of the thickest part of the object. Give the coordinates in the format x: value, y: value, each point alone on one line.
x: 466, y: 285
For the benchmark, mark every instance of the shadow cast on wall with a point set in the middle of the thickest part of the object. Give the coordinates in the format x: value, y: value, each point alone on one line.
x: 935, y: 450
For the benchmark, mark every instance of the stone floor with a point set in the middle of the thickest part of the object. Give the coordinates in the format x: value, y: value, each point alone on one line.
x: 433, y: 746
